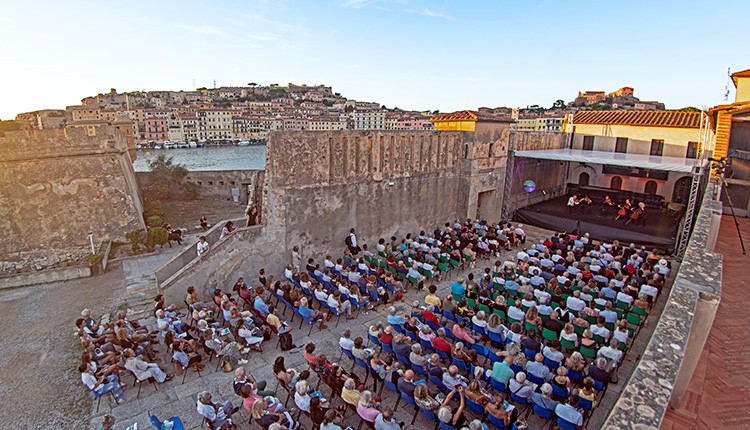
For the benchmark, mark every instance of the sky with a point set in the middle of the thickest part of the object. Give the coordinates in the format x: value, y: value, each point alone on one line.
x: 413, y: 54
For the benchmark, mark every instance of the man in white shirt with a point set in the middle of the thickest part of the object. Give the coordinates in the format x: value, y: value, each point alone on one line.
x: 288, y: 273
x: 622, y: 297
x: 649, y: 290
x: 515, y: 312
x: 521, y: 255
x: 611, y: 352
x: 321, y: 295
x: 345, y: 341
x: 202, y: 247
x: 569, y: 412
x: 216, y: 414
x: 574, y: 302
x: 599, y: 328
x: 538, y: 369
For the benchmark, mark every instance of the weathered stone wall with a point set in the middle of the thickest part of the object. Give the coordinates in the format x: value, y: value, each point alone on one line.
x: 379, y: 183
x: 55, y: 187
x: 548, y: 175
x: 219, y: 184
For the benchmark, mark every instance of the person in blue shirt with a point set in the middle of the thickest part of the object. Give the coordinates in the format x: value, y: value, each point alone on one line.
x: 569, y: 411
x: 393, y: 318
x: 305, y: 311
x: 458, y: 287
x: 259, y: 304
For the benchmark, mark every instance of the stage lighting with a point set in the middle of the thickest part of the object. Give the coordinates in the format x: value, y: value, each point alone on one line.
x: 529, y: 186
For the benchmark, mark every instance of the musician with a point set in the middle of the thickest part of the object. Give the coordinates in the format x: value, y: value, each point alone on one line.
x: 572, y: 203
x: 624, y: 209
x: 607, y: 205
x: 637, y: 216
x: 585, y: 202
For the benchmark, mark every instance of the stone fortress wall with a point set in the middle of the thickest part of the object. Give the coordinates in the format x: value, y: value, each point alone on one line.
x: 56, y: 186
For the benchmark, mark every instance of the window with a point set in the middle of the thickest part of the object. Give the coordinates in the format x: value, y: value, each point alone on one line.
x: 615, y: 183
x: 657, y: 147
x: 583, y: 179
x: 650, y: 187
x: 692, y: 150
x: 621, y: 145
x: 588, y: 143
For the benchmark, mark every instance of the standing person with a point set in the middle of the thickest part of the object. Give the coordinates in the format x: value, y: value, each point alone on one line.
x: 296, y: 257
x: 202, y: 247
x: 249, y: 215
x: 351, y: 242
x: 204, y: 223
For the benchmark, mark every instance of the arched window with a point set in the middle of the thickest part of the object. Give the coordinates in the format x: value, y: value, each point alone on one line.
x: 681, y: 193
x: 650, y: 187
x: 615, y: 183
x: 583, y: 179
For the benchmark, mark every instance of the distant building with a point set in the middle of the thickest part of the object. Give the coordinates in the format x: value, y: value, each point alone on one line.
x: 326, y: 123
x: 589, y: 98
x: 43, y: 119
x: 465, y: 120
x: 374, y: 120
x: 622, y: 92
x: 156, y: 129
x: 648, y: 105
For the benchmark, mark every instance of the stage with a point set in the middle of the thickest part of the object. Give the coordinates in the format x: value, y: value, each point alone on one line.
x: 659, y: 230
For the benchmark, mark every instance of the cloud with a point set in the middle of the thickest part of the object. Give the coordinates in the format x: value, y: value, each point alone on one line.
x: 356, y: 4
x: 434, y: 13
x: 264, y: 37
x: 203, y: 29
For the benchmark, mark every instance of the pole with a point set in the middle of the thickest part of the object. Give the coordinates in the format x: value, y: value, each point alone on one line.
x: 91, y: 241
x: 731, y: 209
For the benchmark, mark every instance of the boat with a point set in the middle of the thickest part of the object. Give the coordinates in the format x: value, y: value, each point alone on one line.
x: 157, y: 146
x: 169, y: 145
x: 193, y: 144
x: 182, y: 145
x: 243, y: 142
x: 201, y: 143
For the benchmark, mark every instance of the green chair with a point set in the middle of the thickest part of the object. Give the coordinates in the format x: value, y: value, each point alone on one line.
x: 457, y: 297
x: 639, y: 311
x: 567, y: 344
x: 588, y: 352
x: 550, y: 335
x: 579, y: 329
x: 622, y: 305
x: 633, y: 319
x: 599, y: 339
x: 528, y: 326
x: 484, y: 308
x: 500, y: 313
x: 472, y: 303
x: 442, y: 267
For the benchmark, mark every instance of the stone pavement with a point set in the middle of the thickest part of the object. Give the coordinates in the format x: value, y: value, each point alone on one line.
x: 176, y: 399
x: 718, y: 395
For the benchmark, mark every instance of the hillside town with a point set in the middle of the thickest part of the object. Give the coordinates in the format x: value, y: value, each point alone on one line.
x: 247, y: 114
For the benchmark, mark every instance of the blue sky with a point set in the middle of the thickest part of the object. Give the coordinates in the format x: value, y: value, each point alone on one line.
x: 419, y: 54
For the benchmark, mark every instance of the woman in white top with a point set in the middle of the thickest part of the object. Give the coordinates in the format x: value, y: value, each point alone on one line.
x: 569, y: 334
x: 479, y: 319
x: 621, y: 333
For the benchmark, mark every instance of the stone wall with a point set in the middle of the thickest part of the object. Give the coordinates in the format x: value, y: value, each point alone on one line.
x: 548, y: 175
x: 219, y: 184
x: 56, y: 186
x: 661, y: 376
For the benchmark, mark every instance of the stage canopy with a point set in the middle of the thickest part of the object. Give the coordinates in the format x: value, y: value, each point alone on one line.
x: 643, y: 161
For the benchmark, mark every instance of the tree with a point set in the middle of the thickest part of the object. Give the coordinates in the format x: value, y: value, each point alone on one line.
x: 383, y: 107
x: 689, y: 109
x: 558, y: 104
x: 348, y: 108
x: 112, y: 91
x: 252, y: 84
x: 165, y: 178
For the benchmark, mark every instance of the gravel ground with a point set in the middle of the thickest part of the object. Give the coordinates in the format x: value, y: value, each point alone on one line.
x: 40, y: 386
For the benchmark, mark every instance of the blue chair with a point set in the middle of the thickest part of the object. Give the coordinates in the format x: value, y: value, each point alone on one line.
x: 494, y: 358
x: 495, y: 337
x: 418, y: 369
x: 460, y: 364
x: 497, y: 422
x: 99, y: 396
x: 426, y: 345
x: 387, y: 349
x: 535, y: 379
x: 599, y: 385
x: 520, y: 401
x: 349, y: 354
x: 474, y: 406
x: 529, y: 353
x: 559, y: 392
x: 449, y: 333
x: 437, y: 382
x: 357, y: 304
x: 516, y: 368
x: 159, y: 424
x: 547, y: 414
x: 399, y: 328
x: 365, y: 366
x: 432, y: 325
x: 575, y: 375
x: 459, y: 318
x: 481, y: 350
x: 305, y: 320
x: 478, y: 330
x: 373, y: 339
x: 412, y: 335
x: 443, y: 355
x: 391, y: 386
x: 565, y: 424
x: 449, y: 315
x: 403, y: 358
x: 552, y: 364
x: 444, y: 426
x: 410, y: 400
x: 585, y: 404
x: 498, y: 385
x: 430, y: 415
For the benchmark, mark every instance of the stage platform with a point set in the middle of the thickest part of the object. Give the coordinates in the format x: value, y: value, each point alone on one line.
x: 659, y: 230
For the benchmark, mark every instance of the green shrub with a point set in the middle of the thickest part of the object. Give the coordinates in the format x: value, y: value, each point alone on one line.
x: 190, y: 191
x: 136, y: 239
x: 152, y: 208
x: 155, y: 221
x: 156, y: 236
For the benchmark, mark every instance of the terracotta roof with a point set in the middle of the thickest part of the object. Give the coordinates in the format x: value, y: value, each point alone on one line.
x: 468, y: 115
x: 651, y: 118
x: 740, y: 74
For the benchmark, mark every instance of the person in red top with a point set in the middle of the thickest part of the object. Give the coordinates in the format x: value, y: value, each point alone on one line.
x: 386, y: 336
x: 441, y: 343
x: 429, y: 316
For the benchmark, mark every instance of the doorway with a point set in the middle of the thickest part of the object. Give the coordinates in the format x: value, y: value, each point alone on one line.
x: 583, y: 179
x: 486, y: 206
